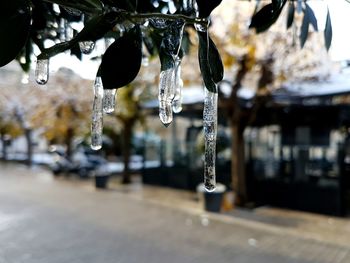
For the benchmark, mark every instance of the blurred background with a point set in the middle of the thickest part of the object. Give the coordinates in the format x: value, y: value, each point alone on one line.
x: 282, y: 164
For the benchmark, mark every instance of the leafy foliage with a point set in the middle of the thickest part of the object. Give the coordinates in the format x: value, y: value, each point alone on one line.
x: 25, y: 23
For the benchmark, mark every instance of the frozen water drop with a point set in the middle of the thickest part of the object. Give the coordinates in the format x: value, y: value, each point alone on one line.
x: 177, y: 106
x: 165, y: 113
x: 86, y: 47
x: 210, y: 131
x: 109, y: 100
x: 97, y: 115
x: 42, y: 71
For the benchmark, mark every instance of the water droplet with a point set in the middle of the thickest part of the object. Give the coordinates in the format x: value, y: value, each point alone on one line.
x: 86, y: 47
x: 166, y: 96
x: 109, y: 100
x: 210, y: 131
x: 22, y: 60
x: 177, y: 106
x: 97, y: 115
x: 42, y: 71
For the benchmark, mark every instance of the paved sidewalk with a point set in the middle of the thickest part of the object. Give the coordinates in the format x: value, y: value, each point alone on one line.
x: 43, y: 219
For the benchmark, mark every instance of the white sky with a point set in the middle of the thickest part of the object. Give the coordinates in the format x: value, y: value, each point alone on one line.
x: 340, y: 16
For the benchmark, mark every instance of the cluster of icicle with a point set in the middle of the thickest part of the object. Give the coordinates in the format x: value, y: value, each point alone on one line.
x: 170, y: 101
x: 104, y: 99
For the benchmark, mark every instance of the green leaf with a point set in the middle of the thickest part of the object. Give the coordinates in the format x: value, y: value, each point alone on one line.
x: 266, y: 17
x: 215, y: 62
x: 304, y: 31
x: 15, y: 19
x: 209, y: 62
x: 276, y: 4
x: 290, y: 17
x: 205, y: 7
x: 328, y: 32
x: 122, y: 60
x: 311, y: 16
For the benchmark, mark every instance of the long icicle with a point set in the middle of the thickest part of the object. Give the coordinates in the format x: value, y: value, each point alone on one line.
x: 210, y: 131
x: 177, y: 102
x: 97, y: 115
x: 109, y: 100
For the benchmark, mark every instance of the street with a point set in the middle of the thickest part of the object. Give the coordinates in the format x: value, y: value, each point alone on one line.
x: 43, y: 219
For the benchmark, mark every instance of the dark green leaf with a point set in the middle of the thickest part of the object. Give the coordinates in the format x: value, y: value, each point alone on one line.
x: 205, y: 7
x: 290, y: 17
x: 122, y: 60
x: 215, y: 62
x: 209, y: 62
x: 14, y: 28
x: 276, y: 4
x: 304, y: 31
x: 328, y: 32
x: 266, y: 17
x: 311, y: 16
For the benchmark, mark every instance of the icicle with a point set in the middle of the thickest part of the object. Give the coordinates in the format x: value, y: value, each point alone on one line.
x: 171, y: 44
x: 166, y: 96
x: 86, y: 47
x: 42, y: 71
x: 109, y: 100
x: 210, y: 130
x: 178, y: 83
x: 97, y: 115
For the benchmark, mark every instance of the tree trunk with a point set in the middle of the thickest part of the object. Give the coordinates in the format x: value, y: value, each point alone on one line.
x: 68, y: 141
x: 127, y: 133
x: 28, y: 136
x: 4, y: 146
x: 238, y: 172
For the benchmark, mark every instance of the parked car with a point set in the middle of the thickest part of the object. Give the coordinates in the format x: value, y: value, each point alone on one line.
x: 81, y: 163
